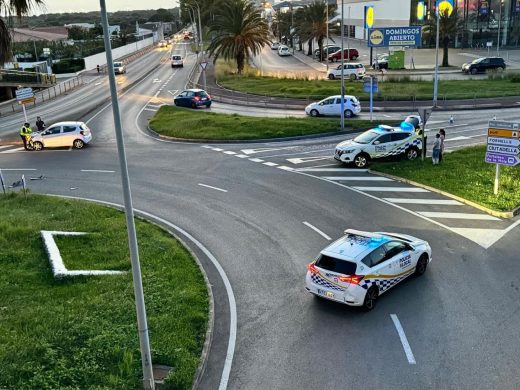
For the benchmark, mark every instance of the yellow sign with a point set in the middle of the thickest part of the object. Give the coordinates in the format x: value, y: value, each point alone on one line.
x: 445, y: 7
x: 420, y: 10
x: 503, y: 133
x: 26, y: 101
x: 370, y: 17
x: 376, y: 37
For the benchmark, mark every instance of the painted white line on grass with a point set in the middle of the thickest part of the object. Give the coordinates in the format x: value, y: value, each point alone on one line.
x: 391, y: 189
x: 270, y: 164
x: 97, y: 170
x: 213, y: 188
x: 444, y: 202
x: 358, y: 178
x: 256, y: 160
x: 481, y: 217
x: 404, y: 340
x: 317, y: 230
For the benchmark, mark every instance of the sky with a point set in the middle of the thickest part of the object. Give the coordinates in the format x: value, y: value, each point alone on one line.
x: 57, y: 6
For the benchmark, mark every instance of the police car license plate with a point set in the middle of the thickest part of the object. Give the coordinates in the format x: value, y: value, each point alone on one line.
x: 327, y: 294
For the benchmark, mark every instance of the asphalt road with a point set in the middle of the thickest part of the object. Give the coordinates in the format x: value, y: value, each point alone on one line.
x: 248, y: 207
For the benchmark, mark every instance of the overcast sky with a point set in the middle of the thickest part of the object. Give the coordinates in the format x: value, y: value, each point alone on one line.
x: 56, y: 6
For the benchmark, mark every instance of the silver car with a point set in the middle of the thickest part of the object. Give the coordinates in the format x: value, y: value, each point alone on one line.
x: 62, y: 134
x: 119, y: 67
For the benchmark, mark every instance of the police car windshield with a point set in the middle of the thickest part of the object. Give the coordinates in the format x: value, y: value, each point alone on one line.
x: 336, y: 265
x: 366, y: 137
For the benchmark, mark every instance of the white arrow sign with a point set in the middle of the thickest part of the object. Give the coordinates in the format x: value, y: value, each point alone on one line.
x: 262, y: 150
x: 503, y: 149
x: 302, y: 160
x: 503, y: 141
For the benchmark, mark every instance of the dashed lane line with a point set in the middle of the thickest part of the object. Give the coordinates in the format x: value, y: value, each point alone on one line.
x: 445, y: 202
x: 270, y: 164
x: 258, y: 160
x: 317, y: 230
x: 404, y: 340
x: 213, y: 188
x: 391, y: 189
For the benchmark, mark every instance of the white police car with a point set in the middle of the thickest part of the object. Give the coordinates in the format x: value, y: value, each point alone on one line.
x: 360, y: 266
x: 380, y: 142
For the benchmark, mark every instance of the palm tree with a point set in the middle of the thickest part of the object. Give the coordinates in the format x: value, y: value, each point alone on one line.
x: 281, y: 24
x: 311, y: 23
x: 239, y: 31
x: 9, y: 8
x: 449, y: 27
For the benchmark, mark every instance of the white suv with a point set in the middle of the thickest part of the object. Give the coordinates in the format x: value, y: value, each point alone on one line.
x: 352, y: 71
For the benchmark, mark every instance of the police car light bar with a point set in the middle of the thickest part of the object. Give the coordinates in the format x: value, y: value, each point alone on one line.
x: 359, y: 233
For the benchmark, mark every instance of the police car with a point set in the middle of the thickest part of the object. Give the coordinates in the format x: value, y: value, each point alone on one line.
x: 380, y: 142
x: 360, y: 266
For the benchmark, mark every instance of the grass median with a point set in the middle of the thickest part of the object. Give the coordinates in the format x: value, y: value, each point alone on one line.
x: 463, y: 173
x: 399, y: 88
x: 199, y: 124
x: 81, y: 332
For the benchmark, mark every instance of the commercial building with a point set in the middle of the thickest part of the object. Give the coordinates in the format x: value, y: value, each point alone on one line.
x: 482, y: 21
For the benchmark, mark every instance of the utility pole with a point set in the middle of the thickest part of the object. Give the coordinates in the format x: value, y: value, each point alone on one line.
x: 144, y: 341
x: 436, y: 77
x: 327, y: 29
x: 348, y: 35
x: 342, y: 68
x: 498, y: 37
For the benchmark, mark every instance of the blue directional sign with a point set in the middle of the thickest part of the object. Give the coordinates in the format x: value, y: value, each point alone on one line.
x: 367, y: 85
x: 395, y: 36
x: 503, y: 143
x: 501, y: 159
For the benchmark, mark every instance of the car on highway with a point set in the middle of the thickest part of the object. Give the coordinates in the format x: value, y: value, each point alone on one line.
x: 119, y: 68
x: 378, y: 143
x: 284, y: 51
x: 360, y: 266
x: 348, y: 54
x: 162, y: 43
x: 331, y: 106
x: 380, y: 62
x: 193, y: 98
x: 275, y: 45
x: 327, y: 50
x: 62, y: 134
x: 352, y: 71
x: 177, y: 61
x: 484, y: 64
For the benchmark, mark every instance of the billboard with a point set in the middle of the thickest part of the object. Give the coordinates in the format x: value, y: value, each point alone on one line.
x: 421, y: 10
x: 394, y: 36
x: 369, y: 16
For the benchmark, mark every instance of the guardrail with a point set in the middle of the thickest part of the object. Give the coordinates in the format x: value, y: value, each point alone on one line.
x: 10, y: 76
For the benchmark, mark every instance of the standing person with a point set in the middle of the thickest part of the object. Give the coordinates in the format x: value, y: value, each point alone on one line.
x: 442, y: 134
x: 97, y: 67
x: 25, y: 133
x: 436, y: 149
x: 40, y: 125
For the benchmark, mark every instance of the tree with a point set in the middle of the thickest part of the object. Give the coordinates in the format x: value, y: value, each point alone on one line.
x: 311, y: 23
x: 162, y: 15
x: 239, y: 32
x: 9, y: 8
x: 281, y: 24
x: 449, y: 27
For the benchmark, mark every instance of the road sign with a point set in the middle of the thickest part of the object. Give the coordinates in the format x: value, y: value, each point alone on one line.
x: 500, y: 159
x: 503, y: 133
x: 203, y: 65
x: 502, y: 149
x: 504, y: 125
x: 27, y: 100
x: 24, y: 93
x: 370, y: 83
x: 503, y: 141
x: 395, y: 36
x: 425, y: 113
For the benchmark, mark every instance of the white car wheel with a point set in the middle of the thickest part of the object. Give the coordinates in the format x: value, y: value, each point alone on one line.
x: 78, y: 144
x: 314, y: 113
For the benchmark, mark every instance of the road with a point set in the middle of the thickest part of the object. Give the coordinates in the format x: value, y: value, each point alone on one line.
x: 247, y: 204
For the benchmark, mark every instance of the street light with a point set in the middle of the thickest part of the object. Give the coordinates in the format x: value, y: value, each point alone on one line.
x: 446, y: 8
x: 327, y: 33
x: 498, y: 34
x: 342, y: 69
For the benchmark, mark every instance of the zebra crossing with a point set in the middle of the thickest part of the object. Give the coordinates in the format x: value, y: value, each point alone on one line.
x: 8, y: 149
x: 456, y: 216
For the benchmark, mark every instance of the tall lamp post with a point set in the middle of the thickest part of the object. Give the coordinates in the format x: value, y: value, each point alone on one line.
x: 342, y: 69
x: 499, y: 21
x: 327, y: 33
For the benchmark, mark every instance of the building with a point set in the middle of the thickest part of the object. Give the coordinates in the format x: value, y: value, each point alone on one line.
x: 483, y: 20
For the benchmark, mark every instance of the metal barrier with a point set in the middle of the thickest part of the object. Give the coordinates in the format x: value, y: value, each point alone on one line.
x: 10, y: 76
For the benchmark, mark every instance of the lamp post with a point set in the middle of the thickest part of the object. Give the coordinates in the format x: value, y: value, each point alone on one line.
x: 342, y: 69
x: 436, y: 77
x: 327, y: 33
x: 498, y: 33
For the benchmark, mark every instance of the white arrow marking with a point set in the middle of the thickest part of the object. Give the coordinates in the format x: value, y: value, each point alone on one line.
x: 174, y: 92
x: 302, y: 160
x: 261, y: 150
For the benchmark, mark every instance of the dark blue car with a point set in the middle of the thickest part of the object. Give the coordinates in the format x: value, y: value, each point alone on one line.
x: 193, y: 98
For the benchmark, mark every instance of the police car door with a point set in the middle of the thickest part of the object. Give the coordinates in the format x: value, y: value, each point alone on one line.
x: 399, y: 260
x: 383, y: 145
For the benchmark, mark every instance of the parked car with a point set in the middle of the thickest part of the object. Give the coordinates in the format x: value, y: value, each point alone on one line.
x: 481, y: 65
x: 275, y: 45
x: 193, y: 98
x: 331, y: 106
x: 284, y: 51
x: 352, y: 71
x: 71, y: 134
x: 381, y: 62
x: 119, y: 68
x: 348, y: 54
x: 327, y: 50
x: 177, y: 61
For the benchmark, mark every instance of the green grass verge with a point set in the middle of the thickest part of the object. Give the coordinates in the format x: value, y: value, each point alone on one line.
x: 196, y: 124
x: 81, y: 332
x: 389, y: 90
x: 463, y: 173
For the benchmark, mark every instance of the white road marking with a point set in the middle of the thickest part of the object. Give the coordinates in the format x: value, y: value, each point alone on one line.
x: 207, y: 146
x: 19, y: 169
x: 256, y: 160
x: 174, y: 92
x: 459, y: 138
x: 327, y: 165
x: 404, y: 340
x: 270, y: 164
x: 391, y: 189
x: 331, y: 170
x: 482, y: 217
x: 13, y: 150
x: 97, y: 170
x: 302, y: 160
x: 241, y: 155
x: 297, y: 153
x: 317, y: 231
x: 445, y: 202
x: 155, y: 105
x: 213, y: 188
x: 262, y: 150
x: 150, y: 109
x: 285, y: 168
x: 229, y: 152
x: 5, y: 146
x: 217, y: 149
x: 358, y: 178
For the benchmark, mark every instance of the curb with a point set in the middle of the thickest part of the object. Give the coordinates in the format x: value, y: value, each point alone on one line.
x: 498, y: 214
x: 211, y: 312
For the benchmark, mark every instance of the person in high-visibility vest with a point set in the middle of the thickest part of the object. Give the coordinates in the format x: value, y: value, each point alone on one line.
x: 25, y: 133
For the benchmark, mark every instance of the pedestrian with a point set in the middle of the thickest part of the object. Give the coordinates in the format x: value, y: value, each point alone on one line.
x: 442, y: 134
x: 436, y: 149
x: 97, y: 67
x: 40, y: 124
x: 25, y: 133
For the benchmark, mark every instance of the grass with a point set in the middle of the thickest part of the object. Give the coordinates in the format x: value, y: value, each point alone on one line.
x: 197, y: 124
x: 394, y: 88
x: 463, y: 173
x: 81, y: 332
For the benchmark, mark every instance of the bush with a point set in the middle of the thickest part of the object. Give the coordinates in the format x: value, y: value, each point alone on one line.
x: 71, y: 65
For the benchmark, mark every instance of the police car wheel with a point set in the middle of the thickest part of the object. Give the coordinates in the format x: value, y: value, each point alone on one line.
x: 412, y: 154
x: 315, y: 113
x: 370, y: 298
x: 361, y: 160
x: 422, y: 264
x: 37, y: 146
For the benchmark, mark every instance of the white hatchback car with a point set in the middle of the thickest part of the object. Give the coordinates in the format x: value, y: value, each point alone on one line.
x: 275, y: 45
x: 331, y: 106
x: 351, y: 70
x: 284, y: 51
x: 177, y: 61
x: 62, y: 134
x: 360, y: 266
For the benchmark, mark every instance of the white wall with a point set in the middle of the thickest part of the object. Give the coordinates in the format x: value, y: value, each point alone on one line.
x: 100, y: 59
